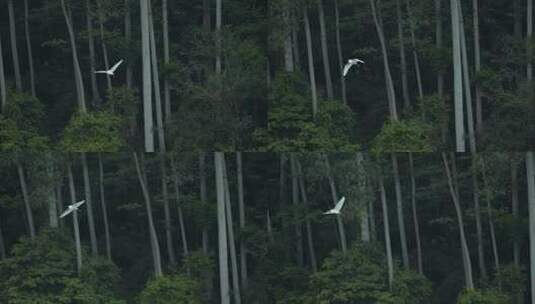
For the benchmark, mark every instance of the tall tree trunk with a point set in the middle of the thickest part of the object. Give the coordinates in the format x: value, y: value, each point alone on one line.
x: 401, y: 218
x: 29, y: 47
x: 269, y: 227
x: 464, y: 246
x: 103, y: 43
x: 334, y: 196
x: 415, y: 52
x: 156, y: 81
x: 166, y: 88
x: 295, y: 203
x: 491, y: 223
x: 59, y: 199
x: 202, y: 178
x: 364, y: 213
x: 77, y: 72
x: 3, y: 87
x: 89, y: 203
x: 241, y: 206
x: 457, y: 79
x: 514, y: 198
x: 26, y: 198
x: 128, y: 38
x: 466, y: 77
x: 388, y: 243
x: 530, y: 172
x: 388, y: 75
x: 76, y: 226
x: 401, y: 37
x: 104, y: 207
x: 222, y: 228
x: 477, y: 51
x: 529, y: 69
x: 295, y: 46
x: 479, y: 230
x: 218, y: 24
x: 371, y: 213
x: 310, y: 56
x: 288, y: 51
x: 415, y: 215
x: 232, y: 244
x: 14, y: 49
x: 147, y: 78
x: 92, y: 64
x: 185, y: 250
x: 339, y: 52
x: 51, y: 197
x: 2, y: 246
x: 153, y: 237
x: 310, y: 240
x: 206, y: 17
x: 438, y: 38
x: 325, y: 51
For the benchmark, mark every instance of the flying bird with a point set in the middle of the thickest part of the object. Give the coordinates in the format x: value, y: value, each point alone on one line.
x: 112, y: 70
x: 71, y: 208
x: 350, y: 63
x: 337, y: 207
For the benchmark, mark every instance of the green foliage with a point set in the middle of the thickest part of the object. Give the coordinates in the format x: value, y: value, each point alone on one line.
x: 174, y: 289
x: 488, y: 296
x: 93, y: 132
x: 411, y: 287
x: 291, y: 125
x: 44, y: 269
x: 488, y: 79
x: 511, y: 280
x: 403, y: 136
x: 198, y: 264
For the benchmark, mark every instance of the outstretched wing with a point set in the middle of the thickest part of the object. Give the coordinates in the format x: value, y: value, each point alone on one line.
x: 347, y: 67
x: 116, y: 66
x: 66, y: 212
x: 340, y: 204
x: 76, y: 205
x: 101, y: 72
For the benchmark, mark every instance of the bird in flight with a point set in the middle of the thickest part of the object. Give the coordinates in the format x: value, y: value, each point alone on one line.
x: 350, y: 63
x: 71, y: 208
x: 112, y: 70
x: 337, y: 207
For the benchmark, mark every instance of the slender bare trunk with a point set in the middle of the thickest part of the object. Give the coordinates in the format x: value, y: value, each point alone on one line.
x: 310, y: 240
x: 26, y: 198
x: 153, y: 237
x: 76, y: 226
x: 529, y: 69
x: 288, y: 52
x: 334, y: 196
x: 295, y: 46
x: 310, y: 56
x: 128, y: 37
x: 241, y: 206
x: 166, y: 87
x: 388, y: 243
x: 514, y: 198
x: 415, y: 215
x: 77, y: 72
x: 295, y: 203
x: 415, y: 52
x: 3, y: 87
x: 51, y: 197
x: 218, y: 24
x: 59, y: 199
x: 530, y: 172
x: 103, y: 43
x: 202, y: 177
x: 325, y: 51
x: 14, y: 49
x: 89, y: 205
x: 92, y: 64
x: 222, y: 229
x: 479, y: 230
x: 104, y: 207
x: 464, y: 246
x: 477, y: 51
x: 2, y: 245
x: 147, y: 78
x: 401, y: 38
x: 232, y: 244
x: 339, y: 52
x: 185, y: 250
x: 364, y: 217
x: 438, y: 38
x: 401, y: 218
x: 491, y: 221
x: 269, y: 227
x: 388, y: 75
x: 29, y: 47
x: 457, y: 79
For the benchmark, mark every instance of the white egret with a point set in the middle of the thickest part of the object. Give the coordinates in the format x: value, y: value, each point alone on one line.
x: 337, y: 207
x: 71, y: 208
x: 350, y: 63
x: 110, y: 71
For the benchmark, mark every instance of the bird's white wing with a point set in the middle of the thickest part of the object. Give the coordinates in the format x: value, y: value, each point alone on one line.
x: 360, y: 61
x: 116, y: 66
x: 66, y: 212
x: 101, y: 72
x: 76, y: 205
x: 340, y: 204
x: 347, y: 67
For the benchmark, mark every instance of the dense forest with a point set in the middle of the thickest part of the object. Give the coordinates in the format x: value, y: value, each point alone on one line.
x: 258, y: 75
x: 249, y: 228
